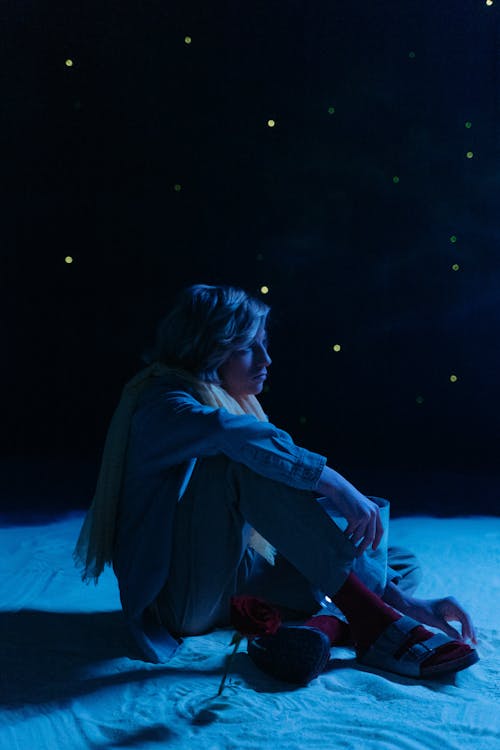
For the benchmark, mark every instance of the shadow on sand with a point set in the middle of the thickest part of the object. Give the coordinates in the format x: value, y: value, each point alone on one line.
x: 57, y: 656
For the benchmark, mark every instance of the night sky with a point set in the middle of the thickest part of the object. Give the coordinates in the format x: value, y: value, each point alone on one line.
x: 342, y: 154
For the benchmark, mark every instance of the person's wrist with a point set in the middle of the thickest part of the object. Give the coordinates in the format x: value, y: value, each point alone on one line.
x: 398, y: 599
x: 328, y: 484
x: 414, y: 607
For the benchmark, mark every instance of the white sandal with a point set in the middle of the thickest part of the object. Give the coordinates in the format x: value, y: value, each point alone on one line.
x: 388, y: 653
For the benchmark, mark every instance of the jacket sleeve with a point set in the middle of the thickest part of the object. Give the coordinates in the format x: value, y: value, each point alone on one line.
x: 176, y: 427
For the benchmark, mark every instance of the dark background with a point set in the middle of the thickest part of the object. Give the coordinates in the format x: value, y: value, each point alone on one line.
x: 361, y: 93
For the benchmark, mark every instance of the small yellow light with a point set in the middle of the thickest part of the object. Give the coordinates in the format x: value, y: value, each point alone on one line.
x: 455, y: 267
x: 188, y: 39
x: 453, y: 378
x: 469, y: 154
x: 271, y: 123
x: 420, y: 399
x: 264, y: 290
x: 177, y: 188
x: 489, y: 2
x: 68, y: 259
x: 336, y: 347
x: 412, y: 55
x: 468, y: 124
x: 453, y: 238
x: 395, y: 179
x: 331, y: 110
x: 69, y: 63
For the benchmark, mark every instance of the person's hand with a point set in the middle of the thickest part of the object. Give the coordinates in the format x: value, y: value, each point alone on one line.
x: 439, y: 612
x: 363, y: 516
x: 363, y: 519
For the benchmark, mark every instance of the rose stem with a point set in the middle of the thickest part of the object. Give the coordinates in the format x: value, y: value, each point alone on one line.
x: 236, y: 640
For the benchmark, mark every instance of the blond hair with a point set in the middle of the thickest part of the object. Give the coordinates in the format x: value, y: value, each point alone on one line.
x: 206, y: 324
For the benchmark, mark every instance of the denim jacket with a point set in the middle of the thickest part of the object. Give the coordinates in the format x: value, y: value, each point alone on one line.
x: 170, y: 430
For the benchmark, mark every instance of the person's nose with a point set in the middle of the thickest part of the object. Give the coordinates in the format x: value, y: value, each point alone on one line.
x: 264, y: 359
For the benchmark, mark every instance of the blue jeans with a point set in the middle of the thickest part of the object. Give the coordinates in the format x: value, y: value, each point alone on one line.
x: 211, y: 560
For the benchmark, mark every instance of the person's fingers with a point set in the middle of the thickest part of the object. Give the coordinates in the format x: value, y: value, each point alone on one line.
x: 379, y: 531
x: 441, y: 611
x: 452, y: 610
x: 466, y: 627
x: 466, y: 622
x: 450, y: 630
x: 351, y: 526
x: 473, y: 634
x: 368, y: 537
x: 359, y: 533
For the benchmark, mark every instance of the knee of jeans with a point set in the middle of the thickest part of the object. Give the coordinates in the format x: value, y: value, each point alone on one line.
x: 414, y: 575
x: 407, y: 566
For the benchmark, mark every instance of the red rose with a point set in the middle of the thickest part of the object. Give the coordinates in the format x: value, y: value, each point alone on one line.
x: 251, y: 616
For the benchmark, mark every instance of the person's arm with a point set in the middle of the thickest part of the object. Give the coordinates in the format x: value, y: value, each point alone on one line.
x: 175, y: 427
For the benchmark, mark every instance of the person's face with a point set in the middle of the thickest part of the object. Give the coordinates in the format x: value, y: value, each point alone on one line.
x: 244, y: 372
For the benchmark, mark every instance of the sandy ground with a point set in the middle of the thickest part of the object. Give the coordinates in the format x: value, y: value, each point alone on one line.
x: 70, y: 677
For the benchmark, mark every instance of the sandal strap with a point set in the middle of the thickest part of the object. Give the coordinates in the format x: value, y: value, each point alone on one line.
x: 419, y: 652
x: 396, y: 634
x: 391, y: 641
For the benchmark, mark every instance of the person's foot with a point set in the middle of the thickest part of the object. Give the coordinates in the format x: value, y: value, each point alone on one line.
x: 407, y: 648
x: 447, y: 653
x: 369, y: 617
x: 295, y: 653
x: 340, y: 634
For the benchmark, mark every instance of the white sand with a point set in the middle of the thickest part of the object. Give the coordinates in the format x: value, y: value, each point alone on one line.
x: 67, y: 682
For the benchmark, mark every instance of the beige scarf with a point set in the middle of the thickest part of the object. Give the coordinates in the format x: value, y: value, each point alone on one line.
x: 94, y: 548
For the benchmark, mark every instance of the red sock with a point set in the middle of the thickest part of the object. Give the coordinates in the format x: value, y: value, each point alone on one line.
x: 337, y: 630
x: 369, y: 616
x: 366, y: 613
